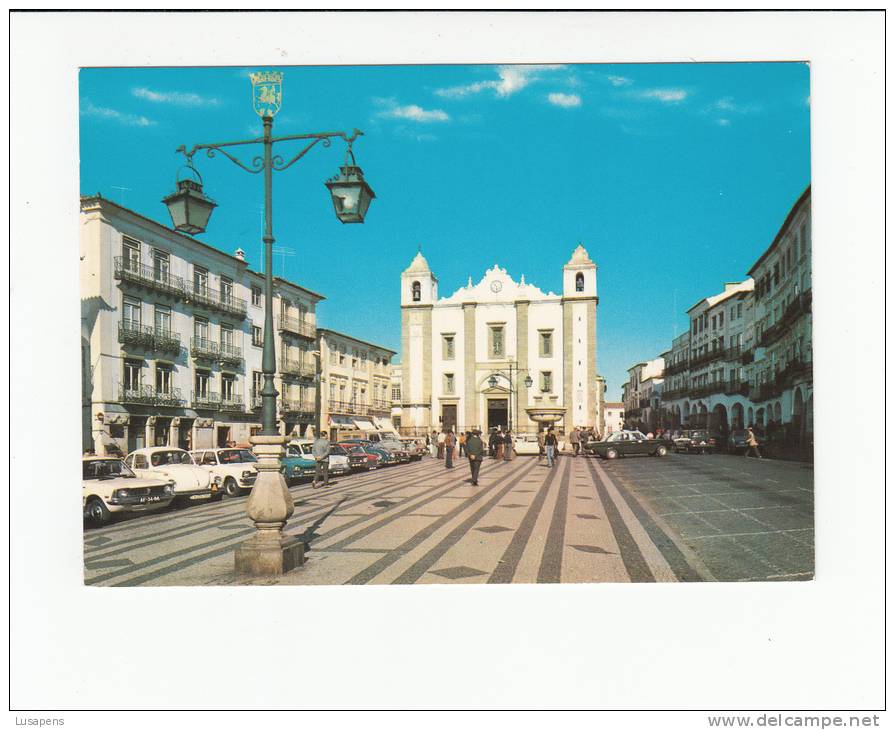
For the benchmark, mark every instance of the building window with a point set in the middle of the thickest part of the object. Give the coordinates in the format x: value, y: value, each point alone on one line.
x: 579, y: 281
x: 256, y: 296
x: 720, y: 319
x: 160, y: 265
x: 162, y: 319
x: 228, y: 387
x: 227, y: 335
x: 739, y: 310
x: 396, y: 393
x: 416, y: 290
x: 447, y: 347
x: 200, y: 279
x: 449, y: 383
x: 546, y: 382
x: 226, y: 289
x: 257, y: 336
x: 803, y: 236
x: 164, y: 374
x: 497, y: 345
x: 202, y: 377
x: 132, y: 313
x: 200, y: 330
x: 332, y: 391
x: 133, y: 374
x: 546, y: 341
x: 130, y: 252
x: 257, y: 383
x: 342, y: 353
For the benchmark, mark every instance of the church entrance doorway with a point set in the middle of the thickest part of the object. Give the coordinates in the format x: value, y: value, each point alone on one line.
x: 449, y: 417
x: 498, y: 409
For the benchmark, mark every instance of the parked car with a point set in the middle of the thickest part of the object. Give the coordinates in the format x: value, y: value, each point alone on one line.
x: 695, y: 442
x: 626, y: 443
x: 526, y: 444
x: 235, y: 467
x: 390, y: 456
x: 191, y: 482
x: 396, y: 447
x: 362, y: 458
x: 358, y: 459
x: 338, y: 459
x: 413, y: 448
x: 109, y: 486
x: 736, y: 441
x: 297, y: 465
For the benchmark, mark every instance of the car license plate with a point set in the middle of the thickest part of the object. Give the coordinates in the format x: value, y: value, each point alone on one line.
x: 151, y: 499
x: 199, y: 496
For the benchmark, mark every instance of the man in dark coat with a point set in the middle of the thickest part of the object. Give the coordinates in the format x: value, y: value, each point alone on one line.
x: 492, y: 443
x: 475, y: 450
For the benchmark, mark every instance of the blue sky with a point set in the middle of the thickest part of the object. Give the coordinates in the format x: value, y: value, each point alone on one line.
x: 674, y: 176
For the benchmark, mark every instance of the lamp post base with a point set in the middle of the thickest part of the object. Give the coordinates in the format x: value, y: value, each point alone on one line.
x: 261, y: 557
x: 268, y: 552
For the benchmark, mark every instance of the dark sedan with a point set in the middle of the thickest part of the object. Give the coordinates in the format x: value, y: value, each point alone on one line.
x: 695, y: 442
x: 626, y: 443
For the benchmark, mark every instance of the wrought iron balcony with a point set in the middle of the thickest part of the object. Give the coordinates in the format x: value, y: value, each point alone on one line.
x: 707, y: 357
x: 207, y: 298
x: 677, y: 367
x: 765, y: 391
x: 301, y: 368
x: 203, y: 348
x: 700, y: 391
x: 796, y: 308
x: 381, y: 406
x: 736, y: 387
x: 147, y: 395
x: 134, y: 333
x: 296, y: 326
x: 348, y: 408
x: 152, y: 277
x: 296, y: 406
x: 675, y: 393
x: 232, y: 403
x: 206, y: 400
x: 229, y: 354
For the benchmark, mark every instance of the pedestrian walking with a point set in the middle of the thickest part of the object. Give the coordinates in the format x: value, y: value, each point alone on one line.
x: 574, y: 440
x: 550, y: 446
x: 508, y: 446
x: 449, y: 443
x: 541, y: 445
x: 440, y: 440
x: 433, y: 445
x: 498, y: 444
x: 751, y: 443
x: 492, y: 443
x: 320, y: 451
x: 461, y: 440
x: 475, y: 450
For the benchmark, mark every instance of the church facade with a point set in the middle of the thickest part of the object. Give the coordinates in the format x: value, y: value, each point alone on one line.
x: 492, y: 353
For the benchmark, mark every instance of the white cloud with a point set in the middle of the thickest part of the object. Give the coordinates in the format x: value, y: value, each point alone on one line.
x: 723, y: 122
x: 667, y: 96
x: 510, y: 80
x: 412, y: 112
x: 564, y: 100
x: 88, y: 109
x: 619, y: 80
x: 727, y: 105
x: 178, y: 98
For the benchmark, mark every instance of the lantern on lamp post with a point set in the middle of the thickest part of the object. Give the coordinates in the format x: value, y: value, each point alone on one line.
x: 350, y: 192
x: 189, y: 206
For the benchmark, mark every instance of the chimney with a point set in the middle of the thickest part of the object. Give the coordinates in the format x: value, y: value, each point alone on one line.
x: 240, y: 254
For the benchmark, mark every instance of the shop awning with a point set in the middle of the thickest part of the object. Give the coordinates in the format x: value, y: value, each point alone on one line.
x: 384, y: 424
x: 340, y: 421
x: 364, y: 425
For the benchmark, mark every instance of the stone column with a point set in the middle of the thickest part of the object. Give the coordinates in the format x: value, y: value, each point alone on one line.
x: 269, y: 552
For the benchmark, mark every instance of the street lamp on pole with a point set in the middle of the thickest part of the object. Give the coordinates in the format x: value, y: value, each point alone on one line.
x: 268, y: 552
x: 508, y: 374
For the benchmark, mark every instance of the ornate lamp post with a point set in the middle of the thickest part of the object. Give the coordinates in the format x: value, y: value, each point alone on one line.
x: 508, y: 374
x: 270, y: 505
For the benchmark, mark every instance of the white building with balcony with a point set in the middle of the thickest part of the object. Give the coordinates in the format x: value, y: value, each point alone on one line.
x: 356, y: 386
x: 466, y: 357
x: 171, y: 337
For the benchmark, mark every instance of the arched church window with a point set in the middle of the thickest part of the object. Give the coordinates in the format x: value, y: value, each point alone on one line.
x: 416, y: 291
x: 579, y: 281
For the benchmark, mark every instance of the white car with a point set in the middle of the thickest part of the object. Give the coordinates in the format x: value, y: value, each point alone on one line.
x: 338, y: 463
x: 235, y: 467
x: 109, y: 486
x: 191, y: 482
